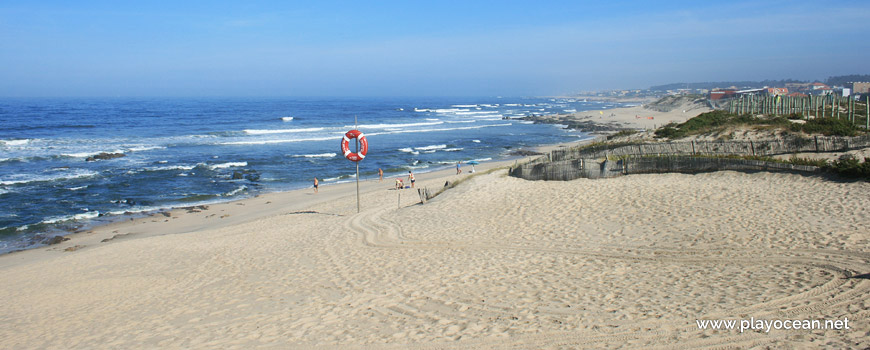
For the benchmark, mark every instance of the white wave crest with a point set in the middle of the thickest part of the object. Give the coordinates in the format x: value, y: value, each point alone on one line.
x: 450, y: 110
x: 452, y: 149
x: 321, y: 155
x: 267, y: 142
x: 227, y: 165
x: 431, y: 147
x: 171, y: 167
x: 287, y: 119
x: 28, y: 178
x: 383, y: 126
x: 76, y: 217
x: 441, y: 129
x: 15, y: 142
x: 464, y: 106
x: 235, y: 191
x: 476, y: 113
x: 409, y: 150
x: 144, y: 148
x: 279, y: 131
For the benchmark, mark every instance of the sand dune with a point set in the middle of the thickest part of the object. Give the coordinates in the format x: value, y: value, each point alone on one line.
x: 497, y: 262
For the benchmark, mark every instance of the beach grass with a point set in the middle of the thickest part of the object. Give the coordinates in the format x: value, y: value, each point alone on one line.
x: 720, y: 120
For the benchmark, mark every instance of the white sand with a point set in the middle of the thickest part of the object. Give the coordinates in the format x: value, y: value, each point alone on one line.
x: 632, y: 117
x: 497, y: 262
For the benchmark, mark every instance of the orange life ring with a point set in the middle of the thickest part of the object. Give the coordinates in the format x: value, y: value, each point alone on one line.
x: 363, y: 146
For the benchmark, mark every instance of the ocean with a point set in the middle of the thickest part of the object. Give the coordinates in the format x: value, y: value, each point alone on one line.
x: 191, y: 151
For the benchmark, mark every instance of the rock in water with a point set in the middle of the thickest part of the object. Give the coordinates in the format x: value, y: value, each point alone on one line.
x: 104, y: 156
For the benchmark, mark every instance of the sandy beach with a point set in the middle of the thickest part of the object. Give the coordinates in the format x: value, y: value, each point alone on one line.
x: 638, y: 117
x: 494, y: 263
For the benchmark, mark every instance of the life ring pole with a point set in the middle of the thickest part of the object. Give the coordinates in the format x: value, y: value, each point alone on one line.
x: 356, y: 141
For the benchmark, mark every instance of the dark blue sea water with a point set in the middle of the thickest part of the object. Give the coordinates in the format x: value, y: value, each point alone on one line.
x: 181, y: 152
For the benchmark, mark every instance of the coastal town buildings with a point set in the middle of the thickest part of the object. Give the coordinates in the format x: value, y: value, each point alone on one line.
x: 860, y: 87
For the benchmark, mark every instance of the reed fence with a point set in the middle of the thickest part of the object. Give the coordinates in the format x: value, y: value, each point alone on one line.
x: 607, y: 160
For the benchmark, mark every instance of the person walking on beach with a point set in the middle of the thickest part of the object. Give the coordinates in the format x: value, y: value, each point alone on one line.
x: 411, y: 178
x: 458, y: 168
x: 316, y: 183
x: 380, y: 175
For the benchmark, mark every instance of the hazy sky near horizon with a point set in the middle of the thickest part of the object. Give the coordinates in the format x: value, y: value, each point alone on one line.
x: 408, y: 48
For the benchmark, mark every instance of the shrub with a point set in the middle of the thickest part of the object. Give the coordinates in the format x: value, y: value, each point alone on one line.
x: 621, y: 133
x: 716, y: 120
x: 668, y: 132
x: 827, y: 126
x: 849, y: 166
x: 821, y: 163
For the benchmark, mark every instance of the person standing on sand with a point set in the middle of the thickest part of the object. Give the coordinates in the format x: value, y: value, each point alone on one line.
x: 411, y: 178
x: 315, y: 185
x: 380, y: 175
x: 458, y: 168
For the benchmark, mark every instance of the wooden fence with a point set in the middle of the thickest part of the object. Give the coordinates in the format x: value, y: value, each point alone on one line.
x: 567, y: 170
x: 807, y: 106
x: 714, y: 148
x: 687, y: 156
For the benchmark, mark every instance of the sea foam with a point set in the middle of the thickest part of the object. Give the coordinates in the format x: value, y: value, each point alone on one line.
x: 17, y: 179
x: 384, y: 126
x: 320, y: 155
x: 15, y: 142
x: 431, y: 147
x: 279, y: 131
x: 227, y: 165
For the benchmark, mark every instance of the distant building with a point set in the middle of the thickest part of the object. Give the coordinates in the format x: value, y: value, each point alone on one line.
x: 860, y: 87
x: 776, y: 91
x: 820, y: 89
x: 796, y: 94
x: 722, y: 94
x: 750, y: 91
x: 819, y: 86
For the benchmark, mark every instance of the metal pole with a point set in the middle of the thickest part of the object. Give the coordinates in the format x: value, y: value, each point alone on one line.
x: 356, y: 141
x: 357, y: 184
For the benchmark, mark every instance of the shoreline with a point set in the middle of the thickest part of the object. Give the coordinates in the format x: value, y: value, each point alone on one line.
x: 604, y: 128
x: 76, y: 228
x: 109, y: 230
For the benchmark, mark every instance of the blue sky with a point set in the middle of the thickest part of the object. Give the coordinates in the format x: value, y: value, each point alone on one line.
x: 408, y: 48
